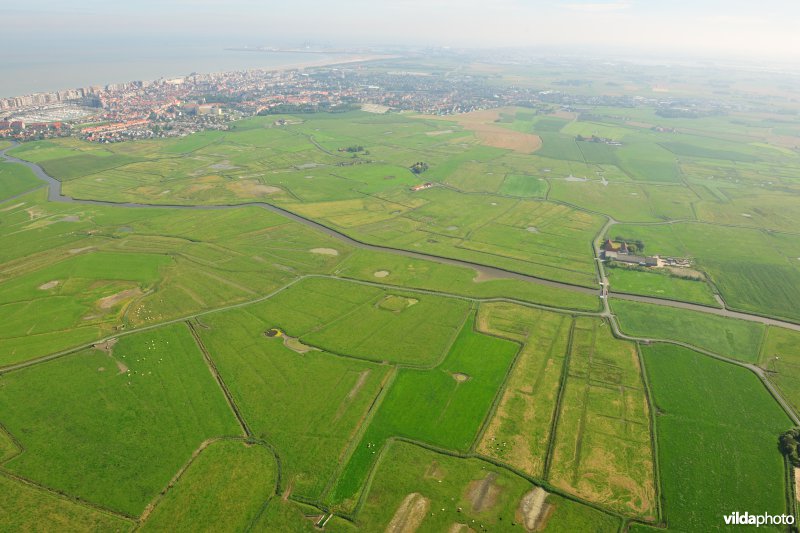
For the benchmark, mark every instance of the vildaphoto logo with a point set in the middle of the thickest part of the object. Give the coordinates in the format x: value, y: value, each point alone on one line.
x: 746, y: 519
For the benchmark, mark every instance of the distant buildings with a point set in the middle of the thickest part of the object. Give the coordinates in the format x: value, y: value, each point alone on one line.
x: 621, y: 252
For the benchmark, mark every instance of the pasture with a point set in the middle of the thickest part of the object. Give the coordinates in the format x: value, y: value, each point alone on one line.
x: 308, y: 405
x: 438, y: 492
x: 519, y: 430
x: 112, y: 425
x: 702, y: 404
x: 780, y: 356
x: 445, y: 406
x: 726, y: 336
x: 16, y: 179
x: 601, y: 450
x: 28, y: 508
x: 371, y: 375
x: 225, y: 487
x: 660, y: 284
x: 755, y: 271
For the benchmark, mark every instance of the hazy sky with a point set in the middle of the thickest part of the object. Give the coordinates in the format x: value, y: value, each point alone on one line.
x: 703, y: 27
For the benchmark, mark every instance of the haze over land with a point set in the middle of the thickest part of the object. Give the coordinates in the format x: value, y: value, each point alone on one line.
x: 519, y: 268
x: 765, y: 29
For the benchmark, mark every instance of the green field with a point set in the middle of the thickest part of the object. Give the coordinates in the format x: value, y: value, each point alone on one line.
x: 726, y: 336
x: 705, y: 405
x: 226, y: 487
x: 307, y: 405
x: 444, y: 407
x: 755, y: 271
x: 113, y: 428
x: 448, y: 489
x: 16, y: 179
x: 780, y: 356
x: 203, y: 361
x: 27, y: 508
x: 602, y: 448
x: 661, y: 285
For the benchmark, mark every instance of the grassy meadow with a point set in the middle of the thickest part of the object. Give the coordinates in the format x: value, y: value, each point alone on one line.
x: 444, y: 407
x: 449, y: 491
x: 702, y: 405
x: 113, y: 426
x: 602, y: 450
x: 731, y: 337
x: 226, y: 487
x: 396, y: 391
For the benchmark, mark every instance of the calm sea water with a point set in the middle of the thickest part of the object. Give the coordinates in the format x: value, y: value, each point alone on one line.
x: 54, y: 68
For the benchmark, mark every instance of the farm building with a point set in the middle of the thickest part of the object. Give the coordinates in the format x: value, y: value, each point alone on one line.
x: 422, y: 187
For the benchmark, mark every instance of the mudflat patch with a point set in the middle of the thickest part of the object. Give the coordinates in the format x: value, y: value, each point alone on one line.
x: 483, y: 493
x: 410, y: 514
x: 324, y: 251
x: 533, y: 510
x: 49, y: 285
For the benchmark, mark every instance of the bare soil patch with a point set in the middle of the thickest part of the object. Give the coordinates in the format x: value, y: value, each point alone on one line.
x: 483, y: 493
x: 11, y: 207
x: 797, y: 483
x: 533, y: 509
x: 481, y: 275
x: 223, y: 165
x: 381, y: 273
x: 249, y: 188
x: 106, y: 346
x: 483, y: 125
x: 49, y: 285
x: 110, y: 301
x: 34, y: 213
x: 460, y: 528
x: 324, y: 251
x: 434, y: 471
x: 70, y: 218
x: 410, y: 514
x: 74, y: 251
x: 362, y: 378
x: 461, y: 378
x: 438, y: 132
x: 295, y: 345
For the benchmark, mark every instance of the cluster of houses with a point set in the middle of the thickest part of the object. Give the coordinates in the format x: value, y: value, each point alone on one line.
x: 620, y: 252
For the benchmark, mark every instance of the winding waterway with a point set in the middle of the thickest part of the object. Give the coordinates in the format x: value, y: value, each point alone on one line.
x: 54, y: 194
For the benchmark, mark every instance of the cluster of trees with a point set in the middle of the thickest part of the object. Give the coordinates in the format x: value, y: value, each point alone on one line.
x: 419, y: 167
x: 635, y: 246
x: 789, y: 443
x: 352, y: 149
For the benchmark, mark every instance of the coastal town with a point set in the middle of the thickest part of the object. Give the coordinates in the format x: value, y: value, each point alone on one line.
x: 172, y: 107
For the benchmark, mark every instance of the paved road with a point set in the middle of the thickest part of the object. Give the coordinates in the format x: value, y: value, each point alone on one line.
x: 55, y: 195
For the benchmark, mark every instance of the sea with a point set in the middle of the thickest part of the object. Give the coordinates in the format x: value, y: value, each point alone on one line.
x: 38, y: 69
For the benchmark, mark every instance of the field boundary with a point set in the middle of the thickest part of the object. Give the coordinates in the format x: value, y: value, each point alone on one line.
x: 653, y: 435
x: 562, y: 384
x: 63, y: 495
x: 212, y: 367
x: 195, y: 454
